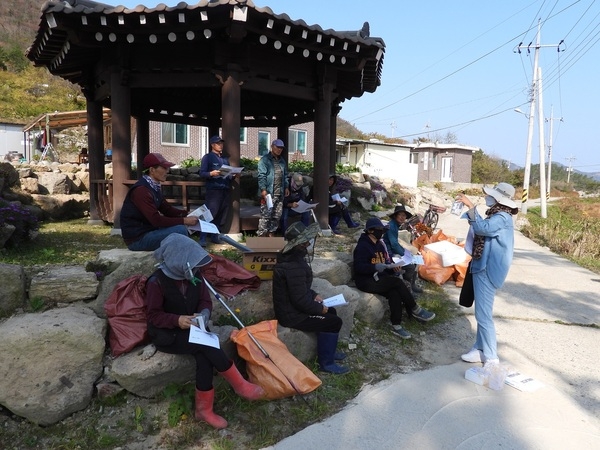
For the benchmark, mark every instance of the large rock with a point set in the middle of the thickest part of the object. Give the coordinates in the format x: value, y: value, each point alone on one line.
x: 334, y: 267
x: 63, y: 207
x: 65, y: 284
x: 149, y: 377
x: 121, y: 264
x: 12, y: 294
x: 6, y: 232
x: 54, y: 183
x: 49, y: 362
x: 30, y: 185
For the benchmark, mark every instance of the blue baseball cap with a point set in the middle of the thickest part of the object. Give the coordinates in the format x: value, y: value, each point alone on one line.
x: 374, y: 222
x: 278, y: 143
x: 215, y: 139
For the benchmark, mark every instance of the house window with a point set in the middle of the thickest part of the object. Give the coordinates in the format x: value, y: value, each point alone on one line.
x: 297, y: 141
x: 263, y: 142
x: 243, y: 135
x: 434, y: 158
x: 414, y: 158
x: 175, y: 134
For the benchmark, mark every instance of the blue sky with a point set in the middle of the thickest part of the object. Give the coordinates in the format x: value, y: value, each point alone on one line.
x: 451, y: 67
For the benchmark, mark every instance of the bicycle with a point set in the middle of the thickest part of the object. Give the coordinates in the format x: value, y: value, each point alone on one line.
x: 431, y: 216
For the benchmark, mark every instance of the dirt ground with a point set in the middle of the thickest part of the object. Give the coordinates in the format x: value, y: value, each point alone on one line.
x: 378, y: 355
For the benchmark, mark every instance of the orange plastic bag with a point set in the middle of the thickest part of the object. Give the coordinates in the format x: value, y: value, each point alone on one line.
x: 432, y: 270
x: 282, y: 374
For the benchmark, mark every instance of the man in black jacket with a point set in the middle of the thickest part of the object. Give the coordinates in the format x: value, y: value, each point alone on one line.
x: 297, y: 305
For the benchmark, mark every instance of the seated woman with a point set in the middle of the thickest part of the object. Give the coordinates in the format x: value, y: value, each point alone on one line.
x: 176, y: 295
x: 297, y: 305
x: 374, y: 273
x: 338, y: 209
x: 397, y: 220
x: 298, y: 191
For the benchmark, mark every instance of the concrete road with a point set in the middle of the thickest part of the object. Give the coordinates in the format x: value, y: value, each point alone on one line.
x: 547, y: 318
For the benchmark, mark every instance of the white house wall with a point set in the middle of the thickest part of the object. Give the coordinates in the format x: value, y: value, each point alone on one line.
x: 11, y: 139
x: 387, y: 162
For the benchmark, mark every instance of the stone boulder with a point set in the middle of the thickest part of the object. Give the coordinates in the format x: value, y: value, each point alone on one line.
x: 52, y: 183
x: 30, y: 185
x: 6, y: 231
x: 147, y: 378
x: 50, y: 362
x: 63, y: 284
x: 121, y: 263
x: 334, y: 267
x: 13, y: 293
x: 63, y: 207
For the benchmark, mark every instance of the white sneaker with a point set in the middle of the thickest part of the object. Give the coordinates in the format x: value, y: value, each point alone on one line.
x: 491, y: 362
x: 474, y: 356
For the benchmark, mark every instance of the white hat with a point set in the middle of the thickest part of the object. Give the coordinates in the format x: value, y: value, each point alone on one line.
x: 503, y: 193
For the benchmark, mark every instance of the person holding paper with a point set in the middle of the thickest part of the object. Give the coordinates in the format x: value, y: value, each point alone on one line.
x: 146, y: 217
x: 397, y: 219
x: 490, y: 242
x: 175, y: 296
x: 297, y: 192
x: 273, y: 187
x: 297, y: 305
x: 338, y: 208
x: 218, y: 188
x: 375, y: 273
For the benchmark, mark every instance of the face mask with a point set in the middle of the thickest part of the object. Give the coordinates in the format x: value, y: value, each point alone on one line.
x: 377, y: 234
x: 311, y: 246
x: 489, y: 200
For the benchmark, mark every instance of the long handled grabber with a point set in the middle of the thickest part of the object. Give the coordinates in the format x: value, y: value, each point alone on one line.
x: 260, y: 347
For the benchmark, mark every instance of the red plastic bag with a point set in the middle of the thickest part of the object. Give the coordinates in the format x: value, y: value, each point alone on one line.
x: 126, y: 311
x: 229, y: 278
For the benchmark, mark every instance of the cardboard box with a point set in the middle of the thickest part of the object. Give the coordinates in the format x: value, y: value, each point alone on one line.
x: 264, y: 255
x: 447, y: 253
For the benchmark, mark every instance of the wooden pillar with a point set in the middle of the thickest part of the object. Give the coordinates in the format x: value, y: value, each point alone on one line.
x: 283, y: 133
x: 95, y: 134
x: 121, y: 138
x: 322, y: 155
x: 231, y: 122
x: 335, y: 109
x: 143, y: 142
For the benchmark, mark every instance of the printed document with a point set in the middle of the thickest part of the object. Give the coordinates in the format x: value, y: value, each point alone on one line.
x: 205, y: 227
x: 229, y: 170
x: 199, y: 335
x: 336, y: 300
x: 303, y: 206
x: 203, y: 213
x: 339, y: 198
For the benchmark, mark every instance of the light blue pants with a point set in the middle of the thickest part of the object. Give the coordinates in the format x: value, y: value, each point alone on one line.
x: 484, y: 306
x: 151, y: 240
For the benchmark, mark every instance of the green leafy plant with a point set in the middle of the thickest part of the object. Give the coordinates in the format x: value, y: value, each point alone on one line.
x: 137, y: 418
x: 190, y: 162
x: 25, y: 223
x: 180, y: 406
x: 36, y: 304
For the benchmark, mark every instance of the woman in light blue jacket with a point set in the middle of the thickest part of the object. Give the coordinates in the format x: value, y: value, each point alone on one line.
x: 490, y: 243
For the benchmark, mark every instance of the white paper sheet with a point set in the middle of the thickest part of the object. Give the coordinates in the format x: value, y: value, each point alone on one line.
x: 229, y: 170
x: 205, y: 227
x: 203, y: 213
x: 199, y: 335
x: 336, y: 300
x: 303, y: 206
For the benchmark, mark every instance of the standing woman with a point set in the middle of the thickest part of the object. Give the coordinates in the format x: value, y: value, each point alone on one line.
x: 490, y: 243
x: 175, y: 295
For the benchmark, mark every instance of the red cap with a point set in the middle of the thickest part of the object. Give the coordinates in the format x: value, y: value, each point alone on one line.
x: 156, y: 159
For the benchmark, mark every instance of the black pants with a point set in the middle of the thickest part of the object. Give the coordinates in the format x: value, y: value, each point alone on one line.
x: 206, y: 358
x: 392, y: 288
x: 328, y: 323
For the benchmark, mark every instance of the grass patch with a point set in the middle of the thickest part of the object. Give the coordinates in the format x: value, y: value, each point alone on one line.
x: 72, y: 242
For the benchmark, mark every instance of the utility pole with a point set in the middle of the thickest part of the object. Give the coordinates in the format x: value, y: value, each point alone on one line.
x: 570, y: 168
x: 393, y: 125
x: 551, y: 120
x: 543, y: 210
x: 534, y: 89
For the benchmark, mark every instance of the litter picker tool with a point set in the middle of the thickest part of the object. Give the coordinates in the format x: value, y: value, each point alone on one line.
x: 260, y: 347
